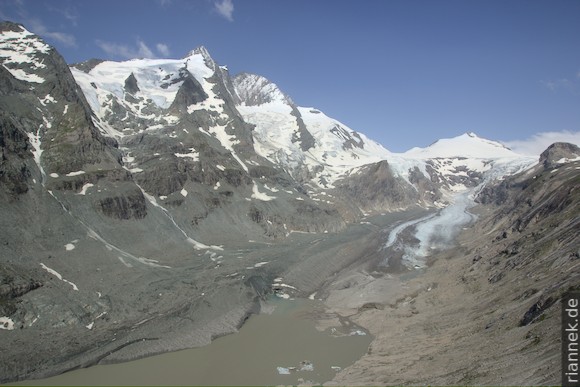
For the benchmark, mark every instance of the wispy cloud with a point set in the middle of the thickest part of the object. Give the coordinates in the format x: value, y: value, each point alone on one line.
x: 39, y: 28
x: 123, y: 51
x: 538, y: 143
x: 570, y: 84
x: 69, y: 12
x: 139, y: 50
x: 225, y: 8
x: 559, y: 84
x: 163, y: 49
x: 143, y: 50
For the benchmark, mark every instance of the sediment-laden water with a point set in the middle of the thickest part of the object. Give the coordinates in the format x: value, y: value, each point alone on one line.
x: 283, y: 347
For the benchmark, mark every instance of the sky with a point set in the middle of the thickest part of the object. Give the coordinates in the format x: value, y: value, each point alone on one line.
x: 403, y: 72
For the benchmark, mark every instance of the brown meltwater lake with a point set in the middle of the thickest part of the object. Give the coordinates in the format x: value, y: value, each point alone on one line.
x: 283, y: 347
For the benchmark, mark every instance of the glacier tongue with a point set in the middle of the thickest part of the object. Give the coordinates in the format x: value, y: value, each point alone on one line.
x: 430, y: 233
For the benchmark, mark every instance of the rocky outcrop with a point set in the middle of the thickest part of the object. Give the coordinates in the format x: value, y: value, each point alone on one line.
x: 131, y: 85
x: 303, y: 136
x: 559, y: 153
x: 190, y: 92
x: 131, y: 205
x: 375, y: 186
x: 14, y: 283
x: 88, y: 65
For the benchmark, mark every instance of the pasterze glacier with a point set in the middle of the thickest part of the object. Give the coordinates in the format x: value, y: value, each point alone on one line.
x: 155, y: 205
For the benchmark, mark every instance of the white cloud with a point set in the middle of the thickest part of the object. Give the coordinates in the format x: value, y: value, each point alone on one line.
x: 71, y: 15
x: 225, y: 8
x: 38, y: 27
x: 123, y: 51
x: 538, y: 143
x: 569, y: 84
x: 163, y: 49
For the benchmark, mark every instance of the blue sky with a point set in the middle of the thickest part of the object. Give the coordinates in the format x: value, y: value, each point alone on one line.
x: 404, y: 72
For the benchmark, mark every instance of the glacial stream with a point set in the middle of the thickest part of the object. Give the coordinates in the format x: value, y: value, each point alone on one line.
x: 283, y: 347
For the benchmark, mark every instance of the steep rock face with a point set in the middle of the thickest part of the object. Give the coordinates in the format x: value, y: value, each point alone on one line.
x: 190, y: 93
x: 14, y: 169
x: 131, y: 84
x: 62, y: 119
x: 48, y: 136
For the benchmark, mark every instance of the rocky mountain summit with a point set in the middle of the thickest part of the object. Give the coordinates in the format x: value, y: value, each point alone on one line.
x: 166, y: 193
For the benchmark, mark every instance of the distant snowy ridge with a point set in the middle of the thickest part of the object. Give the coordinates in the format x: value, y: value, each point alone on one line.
x: 465, y: 145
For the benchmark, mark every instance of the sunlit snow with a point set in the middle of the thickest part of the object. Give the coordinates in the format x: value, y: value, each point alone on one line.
x: 76, y: 173
x: 19, y: 53
x: 35, y: 141
x: 57, y: 275
x: 6, y: 323
x: 85, y: 188
x: 193, y: 154
x: 256, y: 194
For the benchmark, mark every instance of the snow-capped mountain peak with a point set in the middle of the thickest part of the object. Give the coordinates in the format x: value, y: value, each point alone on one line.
x: 466, y: 145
